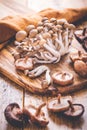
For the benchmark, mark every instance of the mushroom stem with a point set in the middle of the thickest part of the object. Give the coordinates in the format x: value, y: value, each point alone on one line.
x: 63, y: 75
x: 39, y: 109
x: 51, y: 50
x: 71, y: 106
x: 84, y: 31
x: 59, y: 96
x: 79, y: 53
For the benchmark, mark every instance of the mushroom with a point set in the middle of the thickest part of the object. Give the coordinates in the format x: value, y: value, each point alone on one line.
x: 24, y: 64
x: 16, y: 55
x: 58, y: 44
x: 61, y: 21
x: 15, y: 116
x: 63, y: 78
x: 80, y: 67
x: 81, y: 37
x: 29, y: 28
x: 33, y: 33
x: 53, y: 20
x: 58, y: 104
x: 78, y: 56
x: 20, y: 35
x: 44, y: 19
x: 74, y: 111
x: 37, y: 116
x: 37, y: 71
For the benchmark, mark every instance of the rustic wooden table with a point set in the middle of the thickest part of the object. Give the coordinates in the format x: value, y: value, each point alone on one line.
x: 11, y: 92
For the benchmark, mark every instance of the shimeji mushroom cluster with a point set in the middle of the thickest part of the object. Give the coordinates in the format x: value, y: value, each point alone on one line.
x: 44, y: 43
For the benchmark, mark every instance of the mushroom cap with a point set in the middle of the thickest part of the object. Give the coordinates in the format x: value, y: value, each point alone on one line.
x: 61, y: 21
x: 23, y: 64
x: 78, y: 56
x: 63, y: 78
x: 20, y: 35
x: 78, y: 111
x: 15, y: 116
x: 46, y: 35
x: 33, y: 33
x: 29, y: 28
x: 54, y: 106
x: 44, y: 19
x: 38, y: 120
x: 81, y: 68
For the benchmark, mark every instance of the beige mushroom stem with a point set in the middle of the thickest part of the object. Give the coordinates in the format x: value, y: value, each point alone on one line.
x: 51, y: 50
x: 64, y: 74
x: 38, y: 71
x: 39, y: 109
x: 43, y: 61
x: 71, y: 106
x: 66, y: 42
x: 72, y: 28
x: 59, y: 97
x: 58, y: 44
x: 48, y: 77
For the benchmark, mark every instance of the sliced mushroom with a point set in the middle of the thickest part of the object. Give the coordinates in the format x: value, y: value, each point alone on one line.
x: 24, y: 64
x: 58, y: 104
x: 37, y: 116
x: 74, y: 111
x: 81, y: 68
x: 15, y: 116
x: 20, y: 35
x: 63, y: 78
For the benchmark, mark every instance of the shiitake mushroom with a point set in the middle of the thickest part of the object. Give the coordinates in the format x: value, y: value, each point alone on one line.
x: 81, y: 68
x: 58, y: 104
x: 63, y: 78
x: 37, y: 116
x: 15, y: 115
x: 24, y: 63
x: 74, y: 111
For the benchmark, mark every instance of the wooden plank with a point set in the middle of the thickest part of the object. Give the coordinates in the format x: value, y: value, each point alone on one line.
x: 9, y: 93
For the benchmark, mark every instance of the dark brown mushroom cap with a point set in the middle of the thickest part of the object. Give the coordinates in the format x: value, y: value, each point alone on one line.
x: 54, y: 106
x: 15, y: 116
x: 76, y: 113
x: 63, y: 78
x: 38, y: 119
x: 24, y: 64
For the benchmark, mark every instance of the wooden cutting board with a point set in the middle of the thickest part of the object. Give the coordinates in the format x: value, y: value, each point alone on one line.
x: 34, y: 85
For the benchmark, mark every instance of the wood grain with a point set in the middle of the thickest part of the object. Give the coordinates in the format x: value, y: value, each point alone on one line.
x: 10, y: 92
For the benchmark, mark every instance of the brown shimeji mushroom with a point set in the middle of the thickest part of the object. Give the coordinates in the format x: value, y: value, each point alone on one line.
x: 37, y: 116
x: 58, y: 104
x: 74, y: 111
x: 24, y: 63
x: 63, y: 78
x: 15, y: 116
